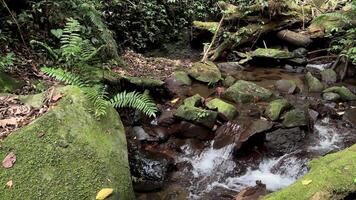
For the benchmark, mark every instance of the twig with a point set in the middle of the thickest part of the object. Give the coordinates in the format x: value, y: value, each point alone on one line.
x: 317, y: 51
x: 205, y: 57
x: 16, y: 22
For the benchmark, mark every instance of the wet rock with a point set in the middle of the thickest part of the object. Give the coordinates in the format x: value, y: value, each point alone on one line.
x: 245, y: 92
x: 197, y: 115
x: 140, y: 134
x: 313, y: 115
x: 161, y: 133
x: 344, y: 92
x: 276, y: 108
x: 286, y: 86
x: 284, y: 141
x: 300, y: 52
x: 227, y: 110
x: 189, y: 130
x: 144, y: 82
x: 226, y: 134
x: 206, y: 72
x: 350, y: 115
x: 330, y: 96
x: 328, y: 76
x: 297, y: 61
x: 318, y: 67
x: 294, y: 118
x: 272, y: 53
x: 229, y: 81
x: 166, y: 118
x: 177, y: 80
x: 252, y: 193
x: 314, y: 84
x: 230, y: 68
x: 251, y: 129
x: 149, y: 172
x: 193, y: 101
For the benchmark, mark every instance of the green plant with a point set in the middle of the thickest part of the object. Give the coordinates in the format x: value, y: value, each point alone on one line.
x: 7, y: 61
x: 98, y: 95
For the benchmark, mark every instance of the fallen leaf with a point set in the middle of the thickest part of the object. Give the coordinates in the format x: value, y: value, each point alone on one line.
x: 5, y: 122
x: 306, y: 182
x: 9, y: 160
x: 57, y: 97
x: 104, y: 193
x: 174, y: 101
x: 9, y: 183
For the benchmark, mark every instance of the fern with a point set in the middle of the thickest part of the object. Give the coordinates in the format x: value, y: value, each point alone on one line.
x: 65, y: 76
x: 98, y: 96
x: 7, y: 61
x: 135, y: 100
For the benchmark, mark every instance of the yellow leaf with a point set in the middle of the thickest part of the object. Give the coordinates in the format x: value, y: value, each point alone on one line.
x: 174, y: 101
x: 104, y: 193
x: 306, y: 182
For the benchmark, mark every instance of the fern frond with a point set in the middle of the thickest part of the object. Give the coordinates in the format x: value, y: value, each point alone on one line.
x: 135, y: 100
x: 97, y: 95
x: 49, y: 50
x: 64, y: 76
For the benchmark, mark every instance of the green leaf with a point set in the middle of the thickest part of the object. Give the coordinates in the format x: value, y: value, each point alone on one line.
x: 57, y: 33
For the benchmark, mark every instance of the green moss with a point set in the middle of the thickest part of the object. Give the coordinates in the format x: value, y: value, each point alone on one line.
x: 197, y: 115
x: 228, y: 110
x: 193, y: 100
x: 144, y: 82
x: 8, y: 84
x: 245, y: 92
x: 206, y: 72
x: 344, y: 93
x: 272, y: 53
x: 94, y: 155
x: 276, y: 107
x: 314, y: 84
x: 332, y: 178
x: 32, y: 100
x: 182, y: 77
x: 209, y: 26
x: 294, y: 118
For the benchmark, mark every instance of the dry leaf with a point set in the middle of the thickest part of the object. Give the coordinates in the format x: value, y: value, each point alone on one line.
x: 306, y: 182
x: 5, y: 122
x: 57, y: 97
x: 9, y: 184
x: 9, y: 160
x: 174, y: 101
x: 104, y: 193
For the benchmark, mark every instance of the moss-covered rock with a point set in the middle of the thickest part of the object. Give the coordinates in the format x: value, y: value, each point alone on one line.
x: 8, y: 84
x: 193, y: 101
x: 314, y: 84
x: 197, y: 115
x: 326, y: 23
x: 206, y: 72
x: 208, y: 26
x: 328, y: 76
x: 228, y: 110
x: 182, y: 78
x: 331, y: 96
x: 229, y: 81
x: 276, y: 107
x: 344, y: 92
x: 144, y: 82
x: 272, y: 53
x: 245, y: 92
x: 294, y: 118
x: 68, y: 154
x: 332, y: 176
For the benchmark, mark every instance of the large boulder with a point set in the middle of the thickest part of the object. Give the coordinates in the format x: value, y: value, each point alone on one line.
x: 294, y: 118
x: 330, y: 177
x: 197, y: 115
x: 328, y: 76
x: 245, y: 92
x: 227, y: 110
x: 68, y: 154
x: 344, y: 92
x: 314, y: 84
x: 276, y: 107
x: 206, y: 72
x: 283, y: 141
x: 330, y: 96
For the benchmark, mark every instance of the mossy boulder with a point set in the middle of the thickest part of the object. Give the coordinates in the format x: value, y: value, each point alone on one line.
x: 193, y: 101
x: 272, y: 53
x: 8, y: 84
x: 182, y: 78
x: 286, y: 86
x: 276, y: 107
x: 68, y: 154
x: 313, y: 83
x: 328, y: 76
x: 229, y: 81
x: 245, y: 92
x: 331, y: 96
x: 197, y: 115
x: 294, y: 118
x: 332, y: 177
x: 206, y: 72
x: 326, y: 23
x: 208, y: 26
x: 144, y: 82
x: 226, y: 109
x: 344, y: 92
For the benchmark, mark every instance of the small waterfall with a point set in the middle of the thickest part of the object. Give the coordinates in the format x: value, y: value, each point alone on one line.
x: 326, y: 139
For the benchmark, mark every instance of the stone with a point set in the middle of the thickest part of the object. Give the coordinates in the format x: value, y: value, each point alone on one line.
x: 166, y: 118
x: 95, y: 156
x: 252, y: 193
x: 197, y: 115
x: 227, y: 110
x: 272, y: 53
x: 189, y: 130
x: 226, y: 134
x: 344, y: 92
x: 206, y: 72
x: 300, y: 52
x: 180, y: 78
x: 286, y: 86
x: 314, y: 84
x: 140, y: 134
x: 246, y: 92
x: 328, y: 76
x: 193, y: 101
x: 330, y: 96
x: 294, y: 118
x: 144, y: 82
x: 276, y: 108
x: 283, y: 141
x: 332, y: 175
x: 350, y: 116
x: 229, y: 81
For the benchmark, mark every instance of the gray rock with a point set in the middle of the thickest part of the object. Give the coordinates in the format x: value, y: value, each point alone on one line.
x: 285, y: 141
x: 328, y: 76
x: 286, y: 86
x: 330, y: 96
x: 314, y: 84
x: 245, y: 92
x: 197, y: 115
x: 206, y: 72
